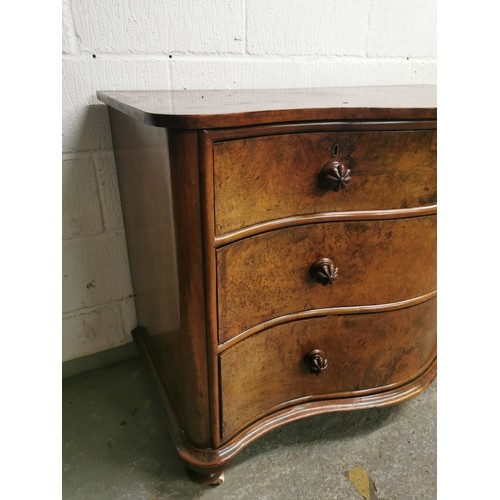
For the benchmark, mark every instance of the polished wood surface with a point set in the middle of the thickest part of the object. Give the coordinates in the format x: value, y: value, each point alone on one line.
x: 366, y: 353
x: 260, y: 300
x: 299, y: 220
x: 263, y: 178
x: 327, y: 311
x: 230, y: 108
x: 212, y: 461
x: 205, y: 152
x: 269, y: 275
x: 168, y: 292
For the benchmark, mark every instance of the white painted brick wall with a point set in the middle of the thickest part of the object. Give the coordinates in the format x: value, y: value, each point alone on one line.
x: 402, y: 28
x: 160, y: 27
x: 82, y: 213
x: 307, y: 27
x: 194, y: 44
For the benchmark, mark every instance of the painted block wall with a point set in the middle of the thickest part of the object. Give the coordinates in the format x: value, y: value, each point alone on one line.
x: 197, y: 44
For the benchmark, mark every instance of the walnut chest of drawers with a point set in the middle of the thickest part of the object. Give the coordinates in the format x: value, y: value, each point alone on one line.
x: 282, y: 248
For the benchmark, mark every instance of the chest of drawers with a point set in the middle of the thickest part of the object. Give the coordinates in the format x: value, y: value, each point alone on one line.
x: 282, y: 248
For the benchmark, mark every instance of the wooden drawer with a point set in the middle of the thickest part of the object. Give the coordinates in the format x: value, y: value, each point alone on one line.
x: 365, y: 353
x: 268, y: 275
x: 258, y: 179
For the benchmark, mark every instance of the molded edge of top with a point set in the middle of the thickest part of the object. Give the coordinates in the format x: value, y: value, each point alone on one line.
x: 193, y: 109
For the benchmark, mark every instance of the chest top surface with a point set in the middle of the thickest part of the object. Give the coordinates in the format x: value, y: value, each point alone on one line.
x: 191, y: 109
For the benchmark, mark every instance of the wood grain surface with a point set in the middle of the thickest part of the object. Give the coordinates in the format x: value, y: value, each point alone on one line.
x: 168, y: 288
x: 365, y: 352
x: 263, y: 178
x: 230, y: 108
x: 213, y: 460
x: 268, y: 275
x: 246, y: 261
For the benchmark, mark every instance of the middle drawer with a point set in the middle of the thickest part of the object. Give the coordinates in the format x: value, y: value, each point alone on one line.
x: 276, y: 273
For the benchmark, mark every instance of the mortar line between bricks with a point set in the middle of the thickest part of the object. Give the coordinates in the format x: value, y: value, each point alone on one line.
x: 120, y: 234
x: 89, y: 309
x: 76, y: 155
x: 99, y: 194
x: 232, y: 57
x: 101, y: 153
x: 370, y: 7
x: 126, y: 335
x: 87, y: 152
x: 75, y: 46
x: 245, y: 13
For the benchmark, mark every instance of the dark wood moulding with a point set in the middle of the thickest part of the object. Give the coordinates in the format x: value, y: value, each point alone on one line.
x: 196, y: 109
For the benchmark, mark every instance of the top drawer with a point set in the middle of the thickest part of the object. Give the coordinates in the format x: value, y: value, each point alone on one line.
x: 259, y: 179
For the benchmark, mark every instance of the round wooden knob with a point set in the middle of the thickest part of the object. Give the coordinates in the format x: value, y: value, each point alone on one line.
x: 334, y: 175
x: 316, y: 361
x: 324, y: 271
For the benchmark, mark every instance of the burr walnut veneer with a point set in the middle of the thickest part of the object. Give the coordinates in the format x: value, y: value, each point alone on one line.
x: 282, y: 248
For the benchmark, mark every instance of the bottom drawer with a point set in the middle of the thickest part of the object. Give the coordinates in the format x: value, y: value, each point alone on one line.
x: 365, y: 352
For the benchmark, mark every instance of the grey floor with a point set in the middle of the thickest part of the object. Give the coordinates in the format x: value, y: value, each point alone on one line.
x: 116, y: 446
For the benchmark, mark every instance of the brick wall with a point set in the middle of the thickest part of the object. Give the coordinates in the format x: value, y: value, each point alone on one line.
x: 162, y: 44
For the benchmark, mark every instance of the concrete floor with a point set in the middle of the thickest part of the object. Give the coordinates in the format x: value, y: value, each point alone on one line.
x: 116, y: 446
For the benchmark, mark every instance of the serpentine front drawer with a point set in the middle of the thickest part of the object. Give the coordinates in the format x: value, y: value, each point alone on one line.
x: 280, y: 272
x: 260, y: 178
x: 364, y: 354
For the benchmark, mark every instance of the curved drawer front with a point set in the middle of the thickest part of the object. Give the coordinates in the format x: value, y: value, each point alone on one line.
x: 365, y: 352
x: 264, y: 178
x: 376, y: 262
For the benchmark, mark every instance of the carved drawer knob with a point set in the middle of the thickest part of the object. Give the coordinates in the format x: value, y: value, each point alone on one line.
x: 316, y: 361
x: 334, y: 176
x: 324, y: 271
